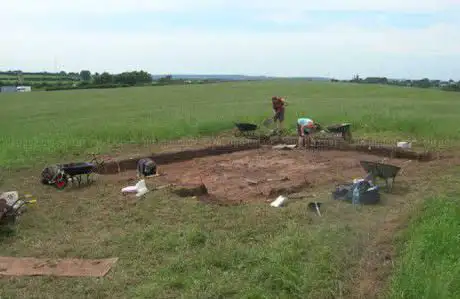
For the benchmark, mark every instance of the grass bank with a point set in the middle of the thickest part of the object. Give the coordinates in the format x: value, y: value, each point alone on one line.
x: 429, y: 265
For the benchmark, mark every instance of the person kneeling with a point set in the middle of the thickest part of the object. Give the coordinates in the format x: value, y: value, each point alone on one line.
x: 305, y: 128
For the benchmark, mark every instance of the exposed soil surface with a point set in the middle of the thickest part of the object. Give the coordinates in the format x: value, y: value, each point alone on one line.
x: 263, y: 173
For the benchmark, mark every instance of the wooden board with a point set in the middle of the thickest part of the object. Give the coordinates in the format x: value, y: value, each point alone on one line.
x: 25, y: 266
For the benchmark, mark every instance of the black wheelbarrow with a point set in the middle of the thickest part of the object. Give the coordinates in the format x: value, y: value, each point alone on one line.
x: 60, y: 174
x: 379, y: 170
x: 343, y: 129
x: 245, y: 129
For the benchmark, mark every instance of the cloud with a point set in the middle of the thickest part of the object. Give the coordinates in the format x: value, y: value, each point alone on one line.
x: 50, y: 7
x: 338, y: 48
x: 275, y: 53
x: 408, y: 6
x: 263, y: 6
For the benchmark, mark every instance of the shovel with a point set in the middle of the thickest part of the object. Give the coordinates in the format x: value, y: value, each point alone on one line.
x: 315, y: 207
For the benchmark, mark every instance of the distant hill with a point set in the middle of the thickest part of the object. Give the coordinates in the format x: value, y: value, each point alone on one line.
x: 234, y: 77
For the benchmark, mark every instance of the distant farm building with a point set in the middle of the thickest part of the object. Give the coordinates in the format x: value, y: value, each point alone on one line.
x: 24, y: 89
x: 15, y: 89
x: 8, y: 89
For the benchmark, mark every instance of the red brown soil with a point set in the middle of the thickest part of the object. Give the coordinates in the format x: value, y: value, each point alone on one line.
x: 264, y: 173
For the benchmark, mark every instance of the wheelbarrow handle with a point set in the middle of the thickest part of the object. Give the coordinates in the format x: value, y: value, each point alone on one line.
x: 24, y: 202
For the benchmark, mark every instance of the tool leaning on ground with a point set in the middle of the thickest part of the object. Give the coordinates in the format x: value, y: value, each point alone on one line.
x: 315, y: 207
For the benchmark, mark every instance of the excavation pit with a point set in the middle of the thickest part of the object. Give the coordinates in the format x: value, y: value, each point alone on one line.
x: 264, y: 173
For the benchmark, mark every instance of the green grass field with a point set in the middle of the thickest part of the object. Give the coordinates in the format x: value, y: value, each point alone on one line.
x: 47, y: 125
x: 178, y: 248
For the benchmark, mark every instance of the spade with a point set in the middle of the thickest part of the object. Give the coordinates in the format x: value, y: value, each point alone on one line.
x: 315, y: 207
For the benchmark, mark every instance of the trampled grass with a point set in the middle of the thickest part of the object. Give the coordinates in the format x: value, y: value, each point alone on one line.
x: 47, y: 125
x: 170, y: 248
x: 430, y: 266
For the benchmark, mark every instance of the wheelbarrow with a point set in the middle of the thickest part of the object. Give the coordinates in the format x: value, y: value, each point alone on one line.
x: 60, y: 174
x: 247, y: 130
x: 10, y: 212
x: 342, y: 129
x: 386, y: 172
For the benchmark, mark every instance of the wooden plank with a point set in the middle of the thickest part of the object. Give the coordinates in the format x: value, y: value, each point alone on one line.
x: 27, y: 266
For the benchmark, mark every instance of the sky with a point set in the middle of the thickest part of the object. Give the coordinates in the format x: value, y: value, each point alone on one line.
x: 332, y: 38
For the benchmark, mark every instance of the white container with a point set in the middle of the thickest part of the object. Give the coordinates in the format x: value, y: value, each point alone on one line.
x: 404, y: 144
x: 278, y: 202
x: 140, y: 188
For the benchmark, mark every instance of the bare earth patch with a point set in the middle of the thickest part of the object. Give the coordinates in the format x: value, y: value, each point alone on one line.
x: 264, y: 173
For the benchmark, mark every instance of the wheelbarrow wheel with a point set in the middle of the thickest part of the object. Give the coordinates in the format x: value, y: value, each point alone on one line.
x: 238, y: 134
x: 60, y: 182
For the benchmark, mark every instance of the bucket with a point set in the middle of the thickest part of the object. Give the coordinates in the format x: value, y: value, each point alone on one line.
x: 278, y: 202
x: 404, y: 144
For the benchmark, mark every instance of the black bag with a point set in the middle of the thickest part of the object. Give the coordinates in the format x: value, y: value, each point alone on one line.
x: 367, y: 193
x: 146, y: 167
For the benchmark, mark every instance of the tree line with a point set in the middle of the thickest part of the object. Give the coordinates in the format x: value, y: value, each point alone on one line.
x: 449, y: 85
x: 82, y: 80
x: 85, y: 80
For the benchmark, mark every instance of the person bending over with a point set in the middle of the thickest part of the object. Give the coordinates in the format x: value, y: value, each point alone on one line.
x: 305, y: 128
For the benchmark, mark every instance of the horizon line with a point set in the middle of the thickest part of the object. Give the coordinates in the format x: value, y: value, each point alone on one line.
x: 227, y: 75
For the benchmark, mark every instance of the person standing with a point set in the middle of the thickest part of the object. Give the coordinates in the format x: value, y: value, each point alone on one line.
x: 278, y: 104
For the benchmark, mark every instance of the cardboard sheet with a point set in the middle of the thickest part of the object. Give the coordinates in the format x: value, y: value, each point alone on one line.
x: 13, y: 266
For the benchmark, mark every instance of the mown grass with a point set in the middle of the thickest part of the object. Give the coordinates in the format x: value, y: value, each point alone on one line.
x: 181, y: 248
x: 428, y: 265
x: 48, y: 125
